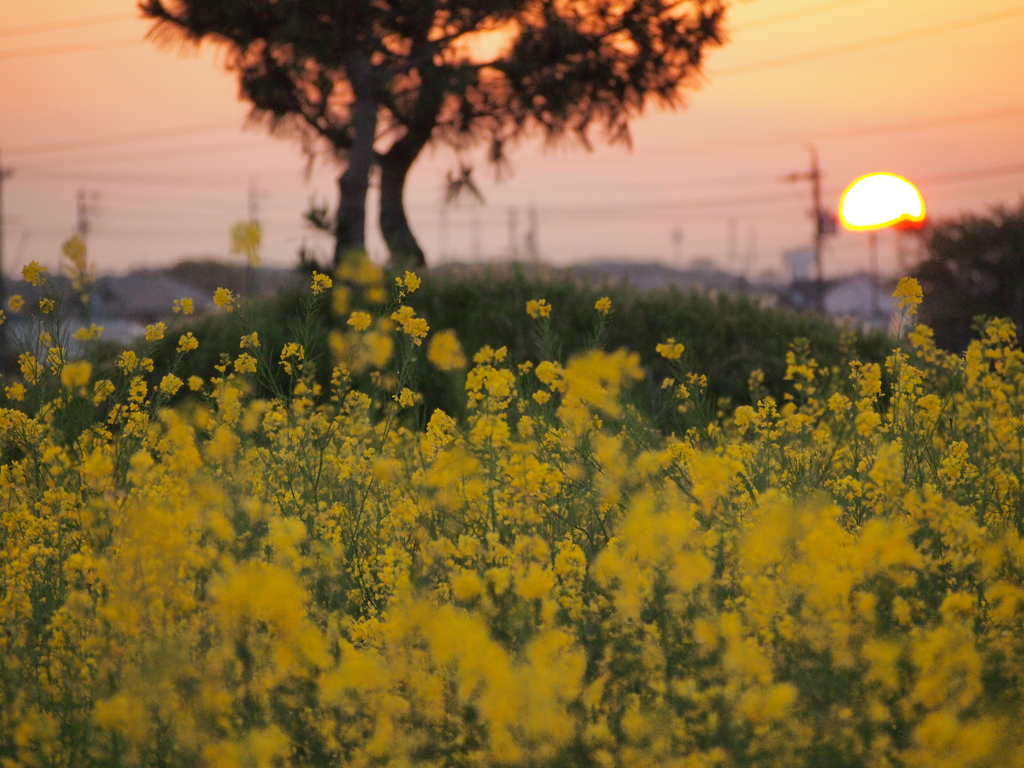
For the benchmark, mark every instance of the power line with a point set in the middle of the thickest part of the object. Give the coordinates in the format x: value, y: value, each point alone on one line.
x: 126, y: 178
x: 154, y: 154
x: 862, y: 45
x: 661, y: 206
x: 979, y: 173
x: 778, y: 18
x: 706, y: 147
x: 50, y: 50
x: 87, y: 21
x: 122, y: 137
x: 910, y: 125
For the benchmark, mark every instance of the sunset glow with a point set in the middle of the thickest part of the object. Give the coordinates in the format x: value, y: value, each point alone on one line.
x: 878, y: 200
x: 154, y: 135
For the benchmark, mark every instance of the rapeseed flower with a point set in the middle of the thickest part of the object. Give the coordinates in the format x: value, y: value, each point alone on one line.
x: 184, y: 306
x: 537, y: 308
x: 367, y: 592
x: 33, y: 273
x: 224, y: 299
x: 187, y: 343
x: 671, y: 349
x: 170, y: 384
x: 445, y: 352
x: 155, y: 332
x: 360, y: 320
x: 416, y: 327
x: 321, y: 283
x: 908, y: 294
x: 407, y: 284
x: 75, y: 375
x: 92, y: 333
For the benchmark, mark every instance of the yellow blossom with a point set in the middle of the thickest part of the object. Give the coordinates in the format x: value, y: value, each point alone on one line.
x: 15, y: 303
x: 195, y: 383
x: 406, y: 398
x: 101, y: 390
x: 671, y: 349
x: 224, y: 299
x: 47, y: 306
x: 908, y: 294
x: 76, y: 374
x: 416, y: 327
x: 15, y: 391
x: 339, y: 300
x: 155, y: 332
x: 445, y: 352
x: 184, y: 306
x: 92, y: 333
x: 360, y: 320
x: 321, y: 283
x: 250, y: 341
x: 33, y: 272
x: 127, y: 361
x: 407, y: 284
x: 170, y: 384
x: 245, y: 363
x: 537, y: 308
x: 187, y: 343
x: 603, y: 305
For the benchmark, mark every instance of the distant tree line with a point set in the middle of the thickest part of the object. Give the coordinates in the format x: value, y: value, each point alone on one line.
x: 974, y: 269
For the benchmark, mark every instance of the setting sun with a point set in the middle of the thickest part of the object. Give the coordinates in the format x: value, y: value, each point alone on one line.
x: 879, y: 200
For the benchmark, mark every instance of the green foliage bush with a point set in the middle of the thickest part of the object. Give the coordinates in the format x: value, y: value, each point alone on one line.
x: 726, y: 336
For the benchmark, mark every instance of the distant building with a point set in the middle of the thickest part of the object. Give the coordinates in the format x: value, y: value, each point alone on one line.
x: 800, y: 262
x: 144, y: 296
x: 855, y: 297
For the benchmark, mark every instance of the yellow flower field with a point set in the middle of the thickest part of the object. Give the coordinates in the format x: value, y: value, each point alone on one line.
x: 836, y: 579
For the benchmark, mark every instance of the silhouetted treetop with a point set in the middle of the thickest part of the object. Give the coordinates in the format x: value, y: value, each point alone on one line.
x: 375, y: 82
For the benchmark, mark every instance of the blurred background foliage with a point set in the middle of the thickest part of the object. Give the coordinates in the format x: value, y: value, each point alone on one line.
x: 726, y: 336
x: 974, y: 269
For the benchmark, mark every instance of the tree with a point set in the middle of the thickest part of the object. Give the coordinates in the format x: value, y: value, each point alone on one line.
x: 975, y: 267
x: 377, y: 81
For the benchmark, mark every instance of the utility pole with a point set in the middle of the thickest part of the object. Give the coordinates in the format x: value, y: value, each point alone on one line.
x: 531, y: 235
x: 4, y: 173
x: 478, y: 244
x: 732, y: 242
x: 255, y: 232
x: 677, y: 245
x: 513, y: 234
x: 824, y: 222
x: 85, y: 207
x: 442, y: 244
x: 748, y: 269
x: 255, y: 193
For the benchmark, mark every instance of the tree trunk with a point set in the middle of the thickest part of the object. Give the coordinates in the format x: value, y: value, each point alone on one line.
x: 350, y: 223
x: 405, y: 252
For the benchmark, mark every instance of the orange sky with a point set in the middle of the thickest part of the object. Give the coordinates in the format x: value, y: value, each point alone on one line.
x: 938, y: 98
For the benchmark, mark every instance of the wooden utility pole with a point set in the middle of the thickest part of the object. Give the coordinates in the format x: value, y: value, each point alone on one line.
x: 513, y: 234
x: 4, y: 174
x: 824, y: 223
